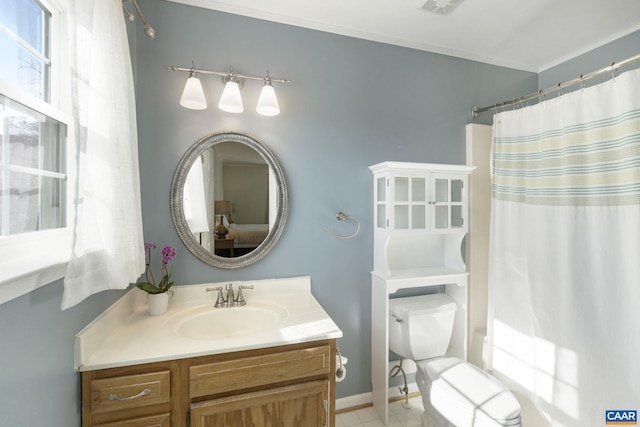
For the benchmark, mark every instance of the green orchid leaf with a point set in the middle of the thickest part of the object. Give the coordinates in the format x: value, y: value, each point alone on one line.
x: 151, y: 286
x: 148, y: 287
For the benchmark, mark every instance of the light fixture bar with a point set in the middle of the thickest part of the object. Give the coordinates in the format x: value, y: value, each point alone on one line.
x: 148, y: 30
x: 226, y: 73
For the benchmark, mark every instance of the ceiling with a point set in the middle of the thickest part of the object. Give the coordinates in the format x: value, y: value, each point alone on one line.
x: 530, y: 35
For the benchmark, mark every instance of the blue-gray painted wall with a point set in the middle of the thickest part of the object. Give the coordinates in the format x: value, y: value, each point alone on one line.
x: 616, y: 51
x: 352, y: 103
x: 333, y: 125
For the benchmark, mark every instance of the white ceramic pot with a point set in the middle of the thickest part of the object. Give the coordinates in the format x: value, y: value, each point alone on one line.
x: 158, y: 303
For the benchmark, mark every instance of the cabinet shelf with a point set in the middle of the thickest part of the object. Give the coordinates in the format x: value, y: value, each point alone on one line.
x: 417, y: 277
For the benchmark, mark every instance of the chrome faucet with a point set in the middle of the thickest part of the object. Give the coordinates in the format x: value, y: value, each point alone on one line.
x: 231, y: 300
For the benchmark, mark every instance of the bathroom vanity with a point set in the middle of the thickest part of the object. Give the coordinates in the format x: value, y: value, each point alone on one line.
x: 275, y: 367
x: 420, y: 220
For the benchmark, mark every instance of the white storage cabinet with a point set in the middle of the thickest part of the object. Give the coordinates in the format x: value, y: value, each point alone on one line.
x: 420, y: 221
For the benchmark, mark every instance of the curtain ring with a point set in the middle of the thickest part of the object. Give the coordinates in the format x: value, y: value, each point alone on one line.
x: 581, y: 81
x: 613, y: 70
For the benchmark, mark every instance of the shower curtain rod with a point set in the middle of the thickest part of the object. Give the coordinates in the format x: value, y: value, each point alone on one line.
x: 583, y: 77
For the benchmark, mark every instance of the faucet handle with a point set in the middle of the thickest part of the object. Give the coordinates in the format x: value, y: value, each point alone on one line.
x: 240, y: 301
x: 220, y: 301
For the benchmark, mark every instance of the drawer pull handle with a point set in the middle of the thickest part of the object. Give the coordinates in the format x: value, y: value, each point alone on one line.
x: 326, y: 412
x: 142, y: 393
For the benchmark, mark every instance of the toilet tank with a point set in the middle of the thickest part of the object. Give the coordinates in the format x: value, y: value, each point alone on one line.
x: 420, y: 327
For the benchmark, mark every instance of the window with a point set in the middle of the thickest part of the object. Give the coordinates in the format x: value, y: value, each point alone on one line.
x: 25, y: 43
x: 33, y: 166
x: 34, y: 175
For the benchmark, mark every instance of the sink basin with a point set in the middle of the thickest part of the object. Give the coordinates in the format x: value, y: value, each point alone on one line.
x: 209, y: 323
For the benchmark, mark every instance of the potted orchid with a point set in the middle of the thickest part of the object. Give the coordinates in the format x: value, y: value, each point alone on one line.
x: 157, y: 291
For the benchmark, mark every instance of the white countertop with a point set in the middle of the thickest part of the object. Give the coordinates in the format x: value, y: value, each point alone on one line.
x: 125, y: 334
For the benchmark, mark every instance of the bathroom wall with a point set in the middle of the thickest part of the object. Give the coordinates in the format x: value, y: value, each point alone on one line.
x: 38, y: 383
x: 352, y: 103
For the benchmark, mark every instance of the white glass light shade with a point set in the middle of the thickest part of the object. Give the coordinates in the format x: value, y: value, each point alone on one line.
x: 230, y: 101
x: 268, y: 102
x: 193, y: 95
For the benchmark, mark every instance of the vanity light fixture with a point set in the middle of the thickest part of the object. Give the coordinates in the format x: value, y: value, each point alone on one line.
x: 231, y: 100
x: 193, y: 95
x: 268, y: 101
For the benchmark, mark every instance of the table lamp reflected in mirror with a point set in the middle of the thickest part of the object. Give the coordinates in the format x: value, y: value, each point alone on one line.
x: 222, y: 208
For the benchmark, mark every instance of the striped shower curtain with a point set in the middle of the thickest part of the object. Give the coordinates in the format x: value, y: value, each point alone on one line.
x: 564, y: 322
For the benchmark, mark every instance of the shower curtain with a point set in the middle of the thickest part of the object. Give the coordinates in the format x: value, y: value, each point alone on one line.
x: 564, y: 322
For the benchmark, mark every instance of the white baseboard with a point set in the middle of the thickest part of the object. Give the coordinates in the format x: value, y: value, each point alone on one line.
x: 354, y: 401
x: 364, y: 399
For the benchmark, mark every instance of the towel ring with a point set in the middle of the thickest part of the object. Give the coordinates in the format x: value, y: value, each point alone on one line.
x: 341, y: 216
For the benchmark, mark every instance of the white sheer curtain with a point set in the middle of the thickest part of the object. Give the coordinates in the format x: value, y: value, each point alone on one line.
x: 565, y: 247
x: 107, y: 244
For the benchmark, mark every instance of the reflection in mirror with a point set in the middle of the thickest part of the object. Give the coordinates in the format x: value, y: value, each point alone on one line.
x: 232, y: 199
x: 229, y: 200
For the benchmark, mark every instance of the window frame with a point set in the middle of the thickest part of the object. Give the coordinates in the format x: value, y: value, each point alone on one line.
x: 31, y: 260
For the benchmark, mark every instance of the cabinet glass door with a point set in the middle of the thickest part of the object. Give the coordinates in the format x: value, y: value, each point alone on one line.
x: 418, y: 203
x: 401, y: 203
x: 410, y: 203
x: 442, y: 203
x: 448, y: 201
x: 457, y: 220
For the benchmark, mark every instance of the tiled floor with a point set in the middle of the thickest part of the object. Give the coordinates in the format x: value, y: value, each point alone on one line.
x: 399, y: 416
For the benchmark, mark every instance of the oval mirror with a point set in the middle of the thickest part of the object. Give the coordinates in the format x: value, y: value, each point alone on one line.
x: 229, y: 200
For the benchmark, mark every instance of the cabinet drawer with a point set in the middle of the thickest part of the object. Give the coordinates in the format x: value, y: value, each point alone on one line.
x: 219, y: 377
x: 163, y: 420
x: 130, y: 391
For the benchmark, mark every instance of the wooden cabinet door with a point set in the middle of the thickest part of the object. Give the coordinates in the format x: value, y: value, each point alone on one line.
x: 300, y: 405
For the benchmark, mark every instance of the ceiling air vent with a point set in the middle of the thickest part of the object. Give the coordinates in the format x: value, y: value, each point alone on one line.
x: 440, y: 7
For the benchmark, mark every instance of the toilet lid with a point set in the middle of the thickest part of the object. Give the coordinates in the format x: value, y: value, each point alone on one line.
x: 466, y: 391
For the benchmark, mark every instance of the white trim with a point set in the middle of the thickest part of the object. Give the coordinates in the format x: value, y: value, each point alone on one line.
x: 33, y: 102
x: 359, y: 400
x: 31, y: 282
x: 37, y: 172
x: 354, y: 401
x: 585, y: 49
x: 31, y: 260
x: 24, y: 44
x: 355, y: 33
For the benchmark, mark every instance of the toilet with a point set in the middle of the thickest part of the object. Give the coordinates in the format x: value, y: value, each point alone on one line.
x: 454, y: 393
